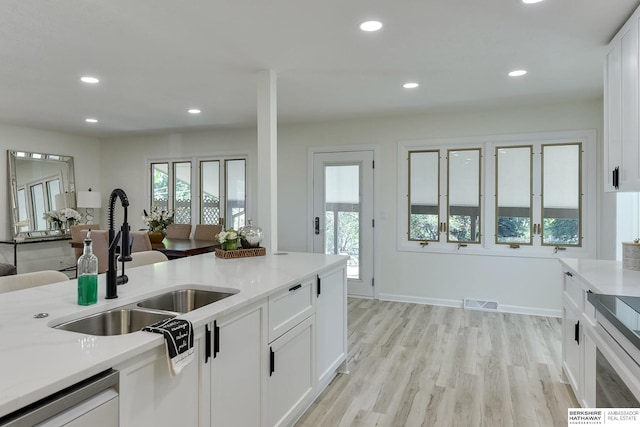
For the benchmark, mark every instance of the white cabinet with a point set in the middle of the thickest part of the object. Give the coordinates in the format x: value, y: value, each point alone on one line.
x: 331, y: 325
x: 290, y: 306
x: 621, y: 109
x: 238, y: 366
x: 291, y: 374
x: 578, y: 349
x: 150, y: 396
x: 571, y: 350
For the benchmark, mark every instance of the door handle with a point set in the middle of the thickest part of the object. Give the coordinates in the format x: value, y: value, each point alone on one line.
x: 316, y: 222
x: 207, y: 344
x: 272, y: 361
x: 216, y: 338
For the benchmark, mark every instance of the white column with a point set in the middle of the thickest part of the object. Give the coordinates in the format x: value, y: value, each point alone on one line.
x: 267, y: 191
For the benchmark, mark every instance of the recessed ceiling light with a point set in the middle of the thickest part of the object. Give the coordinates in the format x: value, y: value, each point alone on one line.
x: 517, y: 73
x: 371, y: 26
x: 531, y: 1
x: 194, y: 111
x: 90, y: 120
x: 410, y: 85
x: 90, y: 80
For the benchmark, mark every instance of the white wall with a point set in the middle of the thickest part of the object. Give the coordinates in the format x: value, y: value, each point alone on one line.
x: 519, y: 284
x: 85, y: 151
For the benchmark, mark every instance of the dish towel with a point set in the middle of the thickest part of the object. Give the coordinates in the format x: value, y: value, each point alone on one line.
x: 178, y: 339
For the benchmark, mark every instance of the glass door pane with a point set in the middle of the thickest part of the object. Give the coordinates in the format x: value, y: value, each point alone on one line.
x: 561, y: 194
x: 513, y: 195
x: 342, y: 214
x: 182, y: 192
x: 210, y: 192
x: 160, y: 186
x: 236, y: 193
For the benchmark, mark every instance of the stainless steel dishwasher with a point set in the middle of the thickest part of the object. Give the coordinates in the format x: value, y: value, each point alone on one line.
x: 92, y: 402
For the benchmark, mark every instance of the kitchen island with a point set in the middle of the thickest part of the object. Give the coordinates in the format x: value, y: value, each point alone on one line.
x: 38, y: 360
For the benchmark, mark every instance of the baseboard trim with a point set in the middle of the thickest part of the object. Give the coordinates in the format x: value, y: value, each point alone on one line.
x: 515, y: 309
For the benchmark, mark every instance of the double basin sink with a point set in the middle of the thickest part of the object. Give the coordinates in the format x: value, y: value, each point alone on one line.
x: 135, y: 316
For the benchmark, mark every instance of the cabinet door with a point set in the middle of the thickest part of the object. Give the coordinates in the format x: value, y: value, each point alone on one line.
x: 290, y: 378
x: 612, y: 114
x: 629, y: 174
x: 331, y: 322
x: 571, y: 350
x: 150, y: 396
x: 238, y: 368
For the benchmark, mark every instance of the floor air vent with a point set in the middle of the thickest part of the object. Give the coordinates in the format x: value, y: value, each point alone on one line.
x: 476, y: 304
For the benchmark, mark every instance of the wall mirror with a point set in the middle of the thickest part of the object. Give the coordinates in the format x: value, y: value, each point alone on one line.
x: 39, y: 183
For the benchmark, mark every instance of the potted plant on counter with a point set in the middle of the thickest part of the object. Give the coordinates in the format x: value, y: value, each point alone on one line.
x: 157, y: 221
x: 228, y: 239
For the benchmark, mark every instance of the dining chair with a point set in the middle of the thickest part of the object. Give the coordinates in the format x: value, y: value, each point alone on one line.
x: 76, y: 237
x: 178, y: 231
x: 140, y: 241
x: 206, y: 231
x: 146, y: 257
x: 100, y: 246
x: 17, y: 282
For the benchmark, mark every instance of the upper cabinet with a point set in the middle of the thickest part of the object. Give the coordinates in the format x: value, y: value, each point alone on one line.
x: 621, y: 111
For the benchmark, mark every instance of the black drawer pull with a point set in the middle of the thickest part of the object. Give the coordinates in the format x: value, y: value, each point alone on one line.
x: 207, y: 344
x: 576, y: 332
x: 216, y: 339
x: 295, y: 288
x: 272, y: 361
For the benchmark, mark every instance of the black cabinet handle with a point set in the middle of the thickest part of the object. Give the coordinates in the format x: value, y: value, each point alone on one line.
x: 295, y: 288
x: 576, y: 332
x: 616, y: 178
x: 318, y: 287
x: 569, y: 274
x: 316, y: 225
x: 216, y: 338
x: 272, y: 361
x: 207, y: 344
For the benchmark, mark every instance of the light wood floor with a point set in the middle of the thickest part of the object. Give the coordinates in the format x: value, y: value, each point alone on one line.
x: 420, y: 365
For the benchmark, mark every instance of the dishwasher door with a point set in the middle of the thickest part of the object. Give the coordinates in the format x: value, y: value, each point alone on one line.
x: 92, y: 402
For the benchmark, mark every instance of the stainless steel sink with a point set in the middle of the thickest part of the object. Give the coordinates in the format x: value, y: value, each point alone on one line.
x: 184, y: 300
x: 119, y: 321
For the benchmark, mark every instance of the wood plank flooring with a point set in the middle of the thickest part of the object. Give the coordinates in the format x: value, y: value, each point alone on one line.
x: 421, y: 365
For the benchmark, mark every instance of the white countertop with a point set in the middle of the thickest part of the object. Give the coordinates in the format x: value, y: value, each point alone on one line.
x: 36, y: 360
x: 605, y: 277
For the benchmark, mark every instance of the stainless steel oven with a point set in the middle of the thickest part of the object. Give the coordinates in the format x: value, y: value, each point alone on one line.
x: 617, y: 355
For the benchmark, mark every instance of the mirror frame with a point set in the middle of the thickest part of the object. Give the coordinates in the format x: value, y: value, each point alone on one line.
x: 69, y: 186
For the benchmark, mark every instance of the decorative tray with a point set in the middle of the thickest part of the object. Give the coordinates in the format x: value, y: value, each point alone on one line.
x: 240, y: 253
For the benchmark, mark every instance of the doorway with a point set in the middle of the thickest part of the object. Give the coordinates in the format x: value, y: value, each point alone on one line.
x: 342, y: 217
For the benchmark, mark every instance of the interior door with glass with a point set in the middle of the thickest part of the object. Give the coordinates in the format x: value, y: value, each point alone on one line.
x: 342, y: 221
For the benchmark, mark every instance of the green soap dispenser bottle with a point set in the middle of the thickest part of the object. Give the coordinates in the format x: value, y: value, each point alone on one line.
x: 87, y: 274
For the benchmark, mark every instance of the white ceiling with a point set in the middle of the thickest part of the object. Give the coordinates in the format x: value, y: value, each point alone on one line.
x: 157, y: 58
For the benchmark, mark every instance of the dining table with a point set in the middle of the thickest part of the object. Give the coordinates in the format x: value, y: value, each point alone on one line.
x: 179, y: 248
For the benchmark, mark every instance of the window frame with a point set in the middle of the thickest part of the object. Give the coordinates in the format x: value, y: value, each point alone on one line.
x: 488, y: 225
x: 196, y: 183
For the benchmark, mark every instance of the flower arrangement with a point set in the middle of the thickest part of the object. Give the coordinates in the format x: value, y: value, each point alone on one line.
x: 157, y: 220
x: 65, y: 216
x: 228, y: 239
